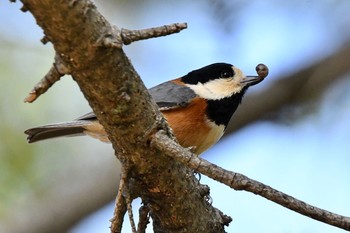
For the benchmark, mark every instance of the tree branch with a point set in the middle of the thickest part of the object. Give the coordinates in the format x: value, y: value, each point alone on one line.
x: 238, y: 181
x: 119, y: 210
x: 114, y: 39
x: 57, y: 70
x: 143, y: 219
x: 129, y: 36
x: 125, y: 109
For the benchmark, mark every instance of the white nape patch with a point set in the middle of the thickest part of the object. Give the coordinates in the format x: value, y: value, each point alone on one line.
x: 219, y: 88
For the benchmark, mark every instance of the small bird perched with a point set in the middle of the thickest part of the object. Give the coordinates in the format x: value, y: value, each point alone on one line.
x: 197, y: 106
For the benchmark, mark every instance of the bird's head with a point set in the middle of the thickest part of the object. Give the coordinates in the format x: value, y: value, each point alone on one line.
x: 221, y: 80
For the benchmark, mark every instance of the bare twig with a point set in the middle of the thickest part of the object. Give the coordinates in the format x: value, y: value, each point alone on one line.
x: 45, y: 40
x: 238, y: 181
x: 119, y: 210
x: 129, y: 36
x: 128, y: 200
x: 143, y: 219
x: 126, y: 194
x: 57, y: 70
x: 115, y: 37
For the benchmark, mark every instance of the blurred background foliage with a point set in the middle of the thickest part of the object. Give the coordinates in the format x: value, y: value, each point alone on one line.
x: 299, y: 147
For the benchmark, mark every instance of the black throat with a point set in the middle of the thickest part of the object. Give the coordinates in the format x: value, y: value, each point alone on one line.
x: 220, y: 111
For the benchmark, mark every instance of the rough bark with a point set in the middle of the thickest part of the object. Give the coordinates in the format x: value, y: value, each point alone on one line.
x: 82, y: 38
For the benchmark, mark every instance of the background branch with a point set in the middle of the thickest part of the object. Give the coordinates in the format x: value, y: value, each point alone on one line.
x: 305, y: 85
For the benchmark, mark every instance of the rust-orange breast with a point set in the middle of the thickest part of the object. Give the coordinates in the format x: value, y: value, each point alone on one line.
x: 191, y: 126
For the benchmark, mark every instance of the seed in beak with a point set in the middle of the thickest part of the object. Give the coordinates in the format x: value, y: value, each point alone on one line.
x: 262, y: 70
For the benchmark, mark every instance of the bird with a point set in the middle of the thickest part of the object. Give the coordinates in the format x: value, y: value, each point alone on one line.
x: 197, y: 106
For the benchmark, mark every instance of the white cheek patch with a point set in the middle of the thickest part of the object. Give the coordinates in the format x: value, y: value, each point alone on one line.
x: 219, y: 88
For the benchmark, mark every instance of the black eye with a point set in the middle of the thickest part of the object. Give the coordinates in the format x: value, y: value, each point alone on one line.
x: 226, y: 74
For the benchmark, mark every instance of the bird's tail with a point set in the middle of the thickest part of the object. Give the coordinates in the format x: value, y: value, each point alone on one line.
x: 72, y: 128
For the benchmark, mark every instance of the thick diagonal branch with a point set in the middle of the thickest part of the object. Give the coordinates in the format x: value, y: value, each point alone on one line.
x: 125, y: 109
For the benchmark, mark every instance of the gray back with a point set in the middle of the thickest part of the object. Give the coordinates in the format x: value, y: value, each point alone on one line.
x: 170, y: 95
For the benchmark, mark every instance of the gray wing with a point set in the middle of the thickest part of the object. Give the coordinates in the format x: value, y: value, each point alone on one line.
x: 167, y: 95
x: 170, y: 95
x: 88, y: 116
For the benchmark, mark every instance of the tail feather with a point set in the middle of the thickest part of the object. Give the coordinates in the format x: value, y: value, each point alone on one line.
x: 73, y: 128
